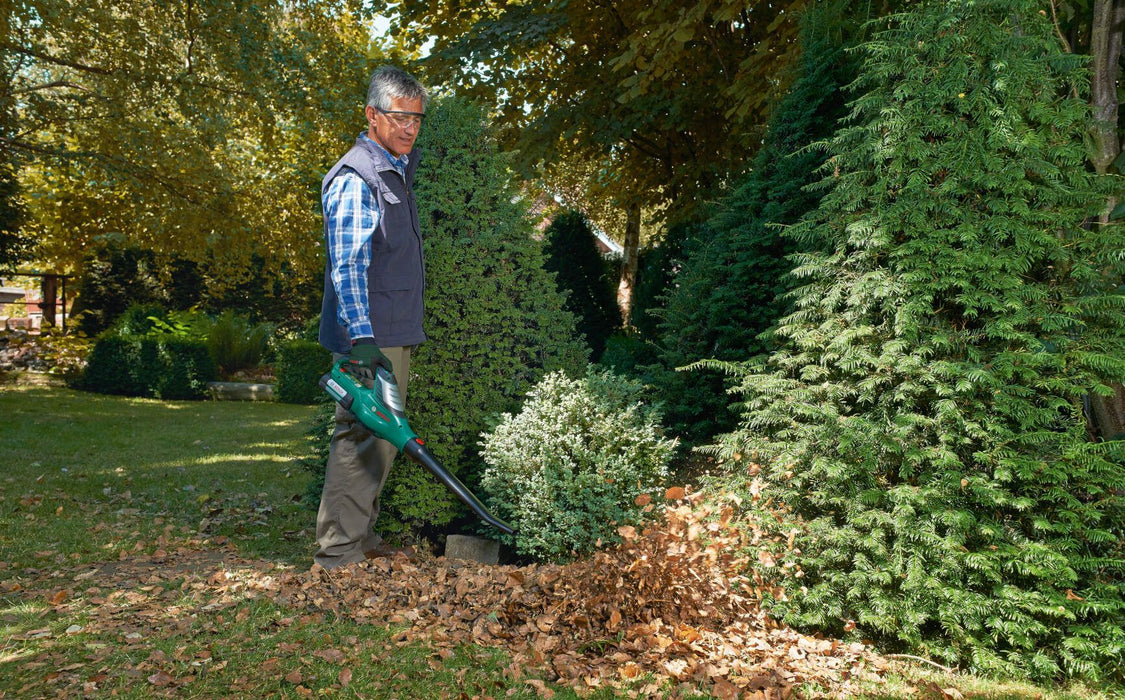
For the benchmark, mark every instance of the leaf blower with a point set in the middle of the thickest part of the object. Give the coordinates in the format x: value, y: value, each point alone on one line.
x: 380, y: 410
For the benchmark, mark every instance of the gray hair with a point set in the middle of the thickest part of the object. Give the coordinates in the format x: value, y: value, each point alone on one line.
x: 388, y: 82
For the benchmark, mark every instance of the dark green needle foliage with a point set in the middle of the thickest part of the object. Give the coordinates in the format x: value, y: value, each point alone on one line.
x: 922, y: 421
x: 734, y: 273
x: 494, y: 316
x: 584, y: 277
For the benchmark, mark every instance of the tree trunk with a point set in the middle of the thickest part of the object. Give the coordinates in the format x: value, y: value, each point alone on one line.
x: 629, y: 261
x: 1107, y: 413
x: 49, y: 292
x: 1105, y: 49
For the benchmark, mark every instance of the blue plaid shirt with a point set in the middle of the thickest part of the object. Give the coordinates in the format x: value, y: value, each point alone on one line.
x: 351, y: 211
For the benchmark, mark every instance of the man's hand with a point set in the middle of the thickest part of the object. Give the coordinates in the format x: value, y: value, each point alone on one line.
x: 366, y: 353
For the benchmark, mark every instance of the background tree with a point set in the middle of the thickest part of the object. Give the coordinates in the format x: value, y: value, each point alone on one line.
x: 605, y: 84
x: 731, y: 285
x: 13, y: 245
x: 494, y: 316
x: 583, y: 276
x: 199, y: 128
x: 1107, y: 27
x: 922, y: 421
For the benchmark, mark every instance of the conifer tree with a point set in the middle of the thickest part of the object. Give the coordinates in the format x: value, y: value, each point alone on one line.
x: 494, y: 317
x: 734, y: 274
x: 583, y: 276
x: 922, y: 422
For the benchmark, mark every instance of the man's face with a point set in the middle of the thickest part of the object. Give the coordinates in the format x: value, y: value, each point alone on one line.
x: 396, y: 128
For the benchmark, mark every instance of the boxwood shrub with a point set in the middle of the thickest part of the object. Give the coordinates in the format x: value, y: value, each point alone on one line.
x: 300, y: 364
x: 165, y: 368
x: 567, y: 470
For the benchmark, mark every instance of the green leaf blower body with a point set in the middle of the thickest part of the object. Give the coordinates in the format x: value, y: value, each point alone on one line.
x: 380, y: 410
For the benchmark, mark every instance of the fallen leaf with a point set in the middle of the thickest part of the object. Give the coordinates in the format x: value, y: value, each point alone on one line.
x: 725, y: 690
x: 332, y: 656
x: 345, y: 676
x: 161, y: 679
x: 540, y: 687
x: 674, y: 494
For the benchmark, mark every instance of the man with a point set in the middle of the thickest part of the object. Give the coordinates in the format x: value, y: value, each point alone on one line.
x: 372, y: 308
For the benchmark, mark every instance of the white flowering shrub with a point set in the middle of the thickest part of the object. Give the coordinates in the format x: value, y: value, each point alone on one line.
x: 568, y: 469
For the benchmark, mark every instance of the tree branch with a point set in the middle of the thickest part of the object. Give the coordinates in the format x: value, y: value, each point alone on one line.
x: 55, y: 84
x: 129, y: 168
x: 43, y: 56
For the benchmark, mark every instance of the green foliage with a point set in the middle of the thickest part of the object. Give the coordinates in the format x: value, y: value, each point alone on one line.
x: 567, y: 469
x: 115, y: 277
x: 626, y: 353
x: 237, y: 344
x: 663, y: 99
x: 183, y: 369
x: 300, y: 364
x: 657, y: 267
x: 164, y: 368
x: 494, y: 317
x: 584, y: 277
x: 15, y: 246
x: 922, y: 421
x: 199, y: 129
x: 112, y: 368
x: 262, y: 294
x: 730, y: 287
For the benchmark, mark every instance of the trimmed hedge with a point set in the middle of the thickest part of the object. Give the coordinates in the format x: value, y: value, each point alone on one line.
x: 167, y: 368
x: 300, y: 364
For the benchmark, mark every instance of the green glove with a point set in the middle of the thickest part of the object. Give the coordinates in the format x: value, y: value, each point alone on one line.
x: 366, y: 353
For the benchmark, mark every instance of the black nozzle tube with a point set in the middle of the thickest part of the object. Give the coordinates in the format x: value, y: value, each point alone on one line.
x: 415, y: 450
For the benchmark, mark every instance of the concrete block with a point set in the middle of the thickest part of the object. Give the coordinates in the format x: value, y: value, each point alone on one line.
x: 472, y: 548
x: 241, y: 391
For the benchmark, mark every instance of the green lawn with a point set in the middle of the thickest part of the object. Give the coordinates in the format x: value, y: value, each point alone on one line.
x: 133, y: 533
x: 90, y: 475
x: 92, y: 483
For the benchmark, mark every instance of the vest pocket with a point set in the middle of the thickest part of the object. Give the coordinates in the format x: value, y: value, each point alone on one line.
x: 393, y: 300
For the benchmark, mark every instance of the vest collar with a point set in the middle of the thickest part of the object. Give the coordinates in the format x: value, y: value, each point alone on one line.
x: 384, y: 160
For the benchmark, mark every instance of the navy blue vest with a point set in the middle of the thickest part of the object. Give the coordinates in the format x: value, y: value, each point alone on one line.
x: 396, y: 277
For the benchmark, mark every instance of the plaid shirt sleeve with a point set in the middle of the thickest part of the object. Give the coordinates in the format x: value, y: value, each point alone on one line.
x: 351, y: 212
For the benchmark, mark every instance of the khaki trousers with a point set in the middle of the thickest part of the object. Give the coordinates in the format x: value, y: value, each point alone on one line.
x: 358, y: 465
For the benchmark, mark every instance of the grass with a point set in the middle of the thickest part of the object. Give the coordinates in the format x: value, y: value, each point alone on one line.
x: 91, y: 481
x: 100, y: 493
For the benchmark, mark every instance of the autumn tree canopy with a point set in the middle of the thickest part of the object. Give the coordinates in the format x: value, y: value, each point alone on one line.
x: 663, y: 98
x: 199, y: 128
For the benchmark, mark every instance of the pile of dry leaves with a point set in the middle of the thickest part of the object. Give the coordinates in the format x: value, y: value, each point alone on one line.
x: 671, y: 602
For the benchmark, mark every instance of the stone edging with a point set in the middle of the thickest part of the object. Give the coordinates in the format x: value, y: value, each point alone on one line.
x: 240, y: 391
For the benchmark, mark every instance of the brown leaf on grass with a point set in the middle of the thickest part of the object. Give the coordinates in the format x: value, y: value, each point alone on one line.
x: 161, y: 679
x: 332, y: 656
x: 540, y: 687
x: 678, y: 601
x: 674, y: 494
